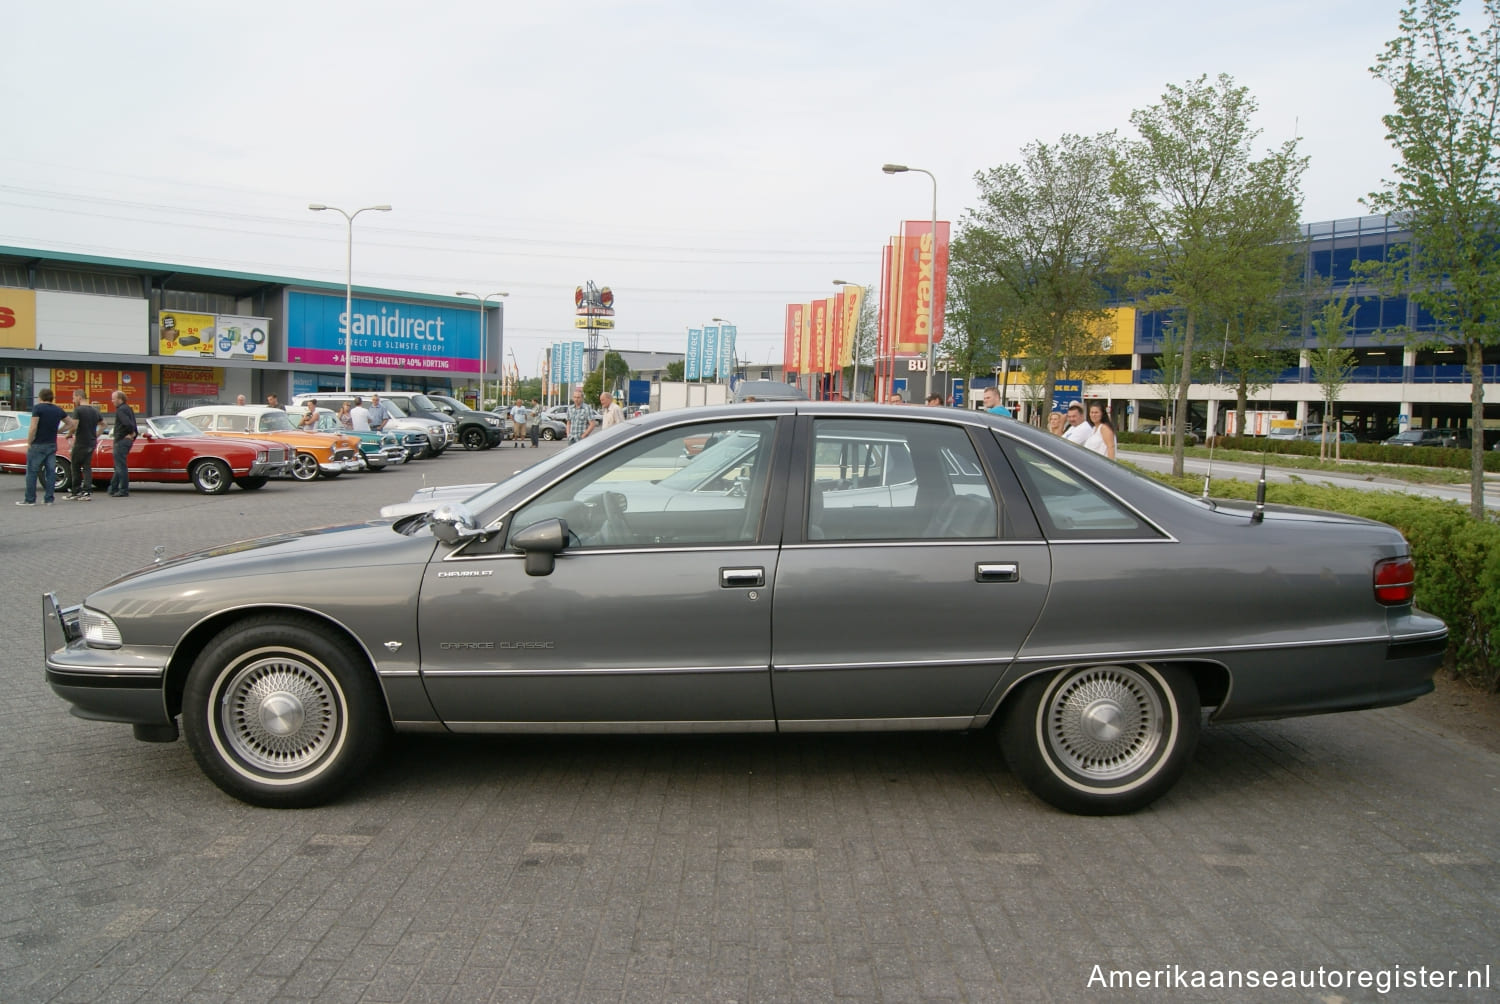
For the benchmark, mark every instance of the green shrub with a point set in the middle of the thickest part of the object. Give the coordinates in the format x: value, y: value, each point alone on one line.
x: 1457, y: 559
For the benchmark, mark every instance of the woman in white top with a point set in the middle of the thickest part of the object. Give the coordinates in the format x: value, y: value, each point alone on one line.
x: 1102, y: 440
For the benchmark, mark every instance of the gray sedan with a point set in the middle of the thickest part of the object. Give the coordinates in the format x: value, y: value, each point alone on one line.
x: 923, y: 568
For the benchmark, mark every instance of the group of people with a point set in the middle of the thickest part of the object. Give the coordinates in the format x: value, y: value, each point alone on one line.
x: 48, y: 421
x: 1092, y: 429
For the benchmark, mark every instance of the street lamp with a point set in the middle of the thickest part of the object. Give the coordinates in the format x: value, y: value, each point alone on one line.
x: 318, y: 207
x: 854, y: 345
x: 483, y: 341
x: 932, y: 320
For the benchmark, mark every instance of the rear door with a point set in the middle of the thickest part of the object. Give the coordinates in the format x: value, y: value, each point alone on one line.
x: 900, y: 600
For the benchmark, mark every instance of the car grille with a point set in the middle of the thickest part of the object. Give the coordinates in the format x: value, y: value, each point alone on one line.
x: 343, y: 454
x: 276, y: 456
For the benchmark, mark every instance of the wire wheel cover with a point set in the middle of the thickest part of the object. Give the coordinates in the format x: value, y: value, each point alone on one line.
x: 280, y: 715
x: 1104, y: 722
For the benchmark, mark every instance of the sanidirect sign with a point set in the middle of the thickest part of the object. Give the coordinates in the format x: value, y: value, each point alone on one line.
x: 383, y: 333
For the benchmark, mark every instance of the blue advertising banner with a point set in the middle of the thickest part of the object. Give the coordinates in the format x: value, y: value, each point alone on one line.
x: 575, y: 362
x: 710, y: 351
x: 726, y: 350
x: 693, y: 361
x: 385, y: 333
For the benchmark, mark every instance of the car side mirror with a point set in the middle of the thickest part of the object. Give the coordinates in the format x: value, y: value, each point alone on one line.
x: 453, y: 524
x: 541, y: 543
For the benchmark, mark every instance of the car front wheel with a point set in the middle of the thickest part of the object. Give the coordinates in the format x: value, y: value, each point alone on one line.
x: 474, y: 439
x: 304, y: 467
x: 211, y: 477
x: 549, y: 434
x: 1102, y: 740
x: 278, y: 713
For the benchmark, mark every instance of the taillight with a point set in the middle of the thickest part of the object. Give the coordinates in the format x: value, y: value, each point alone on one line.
x: 1395, y: 580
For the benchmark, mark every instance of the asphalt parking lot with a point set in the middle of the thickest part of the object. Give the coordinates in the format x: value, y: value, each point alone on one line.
x: 1333, y: 851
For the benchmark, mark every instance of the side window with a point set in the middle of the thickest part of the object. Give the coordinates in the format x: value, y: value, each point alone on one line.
x: 1071, y: 506
x: 204, y: 422
x: 693, y: 485
x: 895, y: 480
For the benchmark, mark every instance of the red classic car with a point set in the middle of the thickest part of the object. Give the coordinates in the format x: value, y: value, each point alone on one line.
x: 173, y: 450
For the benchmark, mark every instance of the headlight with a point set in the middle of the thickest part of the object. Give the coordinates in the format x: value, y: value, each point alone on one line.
x: 98, y: 630
x: 493, y: 421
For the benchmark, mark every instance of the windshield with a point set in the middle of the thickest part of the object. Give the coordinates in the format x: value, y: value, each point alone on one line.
x: 1409, y: 436
x: 455, y: 404
x: 421, y: 402
x: 168, y: 426
x: 275, y: 421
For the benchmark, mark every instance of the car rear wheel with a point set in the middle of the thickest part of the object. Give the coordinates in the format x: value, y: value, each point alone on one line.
x: 549, y: 434
x: 61, y: 471
x: 211, y: 477
x: 280, y: 713
x: 474, y: 439
x: 251, y: 484
x: 1101, y: 740
x: 304, y: 467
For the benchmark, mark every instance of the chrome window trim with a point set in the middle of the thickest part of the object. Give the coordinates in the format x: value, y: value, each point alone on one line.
x: 919, y: 542
x: 458, y: 553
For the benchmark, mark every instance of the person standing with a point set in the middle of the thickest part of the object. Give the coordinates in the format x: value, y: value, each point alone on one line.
x: 83, y: 424
x: 345, y: 420
x: 379, y: 414
x: 239, y: 400
x: 580, y: 419
x: 41, y: 448
x: 518, y: 421
x: 534, y: 423
x: 1078, y: 430
x: 992, y: 403
x: 1102, y: 439
x: 359, y: 416
x: 612, y: 415
x: 272, y: 401
x: 124, y: 435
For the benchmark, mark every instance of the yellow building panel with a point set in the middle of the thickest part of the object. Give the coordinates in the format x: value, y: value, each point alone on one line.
x: 17, y: 319
x: 1117, y: 331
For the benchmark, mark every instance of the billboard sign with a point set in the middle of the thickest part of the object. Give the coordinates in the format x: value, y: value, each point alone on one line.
x: 385, y: 333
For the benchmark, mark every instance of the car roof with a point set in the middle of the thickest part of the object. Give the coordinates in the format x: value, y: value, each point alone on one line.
x: 228, y: 409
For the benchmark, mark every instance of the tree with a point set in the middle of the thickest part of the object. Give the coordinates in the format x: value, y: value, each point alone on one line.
x: 1197, y: 212
x: 675, y: 371
x: 606, y: 377
x: 1030, y: 264
x: 1446, y: 83
x: 1332, y: 363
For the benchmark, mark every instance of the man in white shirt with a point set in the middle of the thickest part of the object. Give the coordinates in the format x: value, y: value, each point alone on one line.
x: 613, y: 415
x: 1078, y: 430
x: 359, y: 416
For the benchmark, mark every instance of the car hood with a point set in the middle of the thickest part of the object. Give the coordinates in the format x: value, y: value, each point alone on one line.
x: 352, y: 546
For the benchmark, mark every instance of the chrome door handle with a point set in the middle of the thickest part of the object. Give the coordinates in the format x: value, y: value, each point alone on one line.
x: 1004, y: 571
x: 741, y: 578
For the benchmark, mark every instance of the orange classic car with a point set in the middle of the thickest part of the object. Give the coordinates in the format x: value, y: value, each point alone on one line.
x: 317, y: 453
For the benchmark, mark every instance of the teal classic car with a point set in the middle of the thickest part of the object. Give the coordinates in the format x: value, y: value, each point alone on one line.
x: 377, y: 450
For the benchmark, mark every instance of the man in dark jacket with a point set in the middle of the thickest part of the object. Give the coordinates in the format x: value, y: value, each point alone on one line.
x: 83, y: 424
x: 41, y: 448
x: 124, y: 434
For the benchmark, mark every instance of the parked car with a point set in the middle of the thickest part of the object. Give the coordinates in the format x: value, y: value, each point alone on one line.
x: 439, y: 433
x: 1429, y: 437
x: 1192, y: 436
x: 14, y: 425
x: 377, y: 450
x: 421, y: 406
x: 290, y: 659
x: 553, y: 423
x: 477, y: 430
x: 172, y: 450
x: 318, y: 454
x: 768, y: 390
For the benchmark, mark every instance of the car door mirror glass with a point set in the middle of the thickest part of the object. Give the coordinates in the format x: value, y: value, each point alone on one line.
x: 541, y: 543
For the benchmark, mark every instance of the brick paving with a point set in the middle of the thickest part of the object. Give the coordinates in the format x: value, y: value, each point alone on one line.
x: 723, y: 868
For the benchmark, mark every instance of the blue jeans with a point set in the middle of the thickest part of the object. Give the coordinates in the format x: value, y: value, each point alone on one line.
x: 41, y: 462
x: 120, y: 483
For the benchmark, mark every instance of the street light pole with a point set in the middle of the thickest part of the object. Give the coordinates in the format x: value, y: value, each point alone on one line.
x: 483, y: 341
x: 318, y: 207
x: 932, y: 319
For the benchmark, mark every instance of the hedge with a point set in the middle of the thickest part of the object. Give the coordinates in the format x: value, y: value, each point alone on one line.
x: 1457, y: 559
x: 1375, y: 453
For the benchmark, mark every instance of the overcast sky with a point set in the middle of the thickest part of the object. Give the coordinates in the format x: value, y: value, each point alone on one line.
x: 700, y: 159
